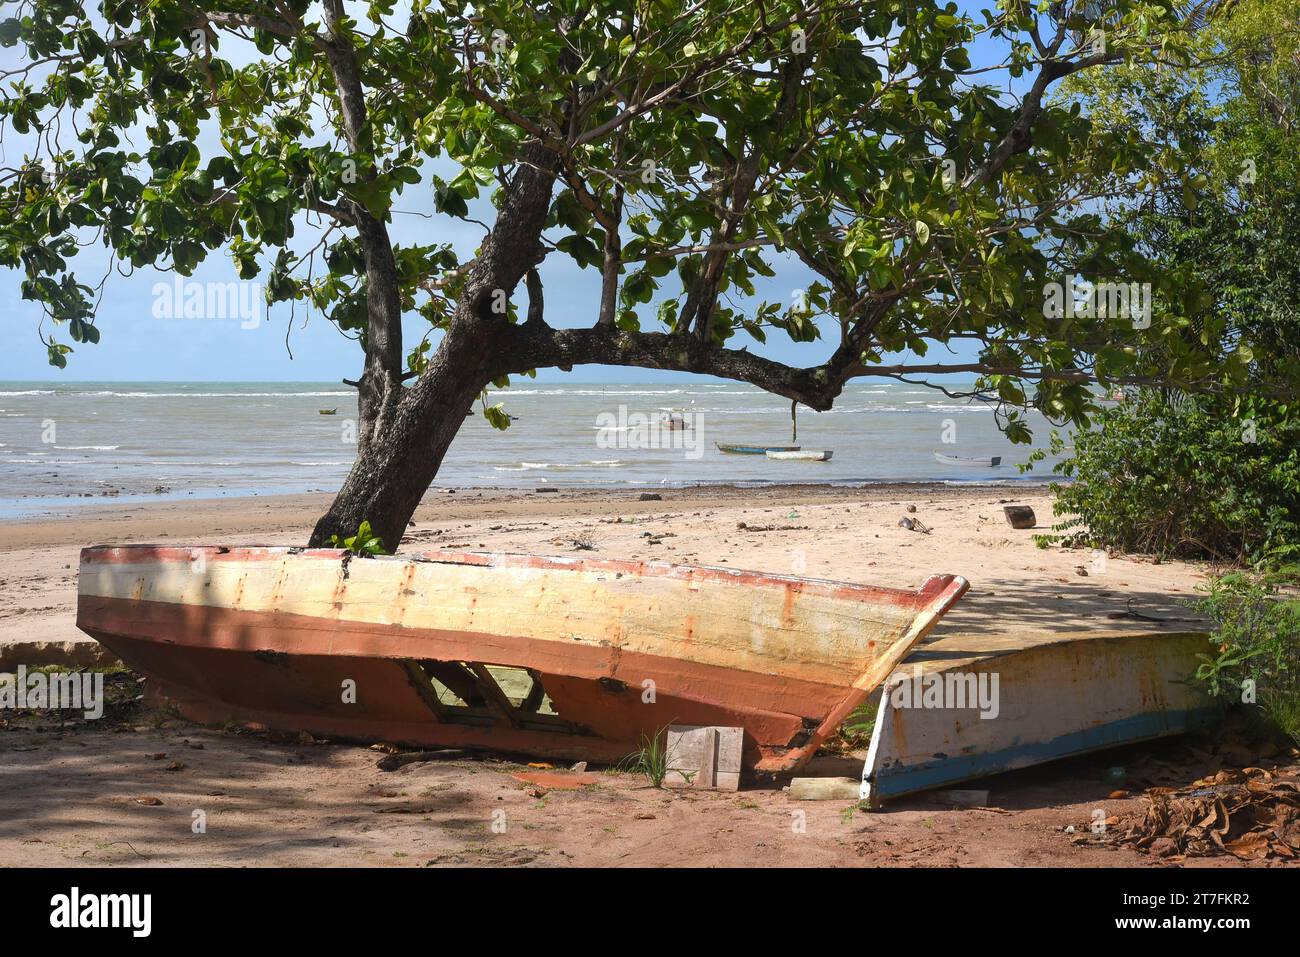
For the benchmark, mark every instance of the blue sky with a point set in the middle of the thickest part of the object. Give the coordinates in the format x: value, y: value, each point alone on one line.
x: 136, y: 346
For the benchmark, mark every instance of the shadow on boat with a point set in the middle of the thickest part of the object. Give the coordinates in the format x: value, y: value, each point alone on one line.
x: 1003, y: 613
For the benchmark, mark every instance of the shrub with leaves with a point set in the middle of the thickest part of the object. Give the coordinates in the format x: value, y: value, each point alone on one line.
x: 1256, y: 655
x: 365, y: 542
x: 1217, y: 476
x: 1184, y: 479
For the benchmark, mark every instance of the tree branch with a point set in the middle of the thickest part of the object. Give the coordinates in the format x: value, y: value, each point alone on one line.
x: 381, y: 381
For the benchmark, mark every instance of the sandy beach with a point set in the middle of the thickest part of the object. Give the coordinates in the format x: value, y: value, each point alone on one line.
x: 814, y: 530
x: 78, y: 792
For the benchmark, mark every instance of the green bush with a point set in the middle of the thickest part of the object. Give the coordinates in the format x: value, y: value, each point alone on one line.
x: 1256, y: 645
x: 1184, y: 479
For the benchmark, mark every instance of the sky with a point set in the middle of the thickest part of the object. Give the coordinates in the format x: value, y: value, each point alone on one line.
x: 137, y: 345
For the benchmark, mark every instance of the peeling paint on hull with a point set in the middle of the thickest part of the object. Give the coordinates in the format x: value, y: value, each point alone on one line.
x: 1056, y: 700
x: 272, y: 636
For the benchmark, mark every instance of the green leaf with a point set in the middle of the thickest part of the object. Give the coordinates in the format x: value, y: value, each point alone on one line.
x: 497, y: 416
x: 365, y: 543
x: 10, y: 31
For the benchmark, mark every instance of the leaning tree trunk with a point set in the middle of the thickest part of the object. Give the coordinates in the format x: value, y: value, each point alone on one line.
x: 398, y: 455
x: 402, y: 443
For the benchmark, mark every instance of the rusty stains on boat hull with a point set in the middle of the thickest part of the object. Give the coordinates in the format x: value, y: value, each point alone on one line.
x: 559, y: 658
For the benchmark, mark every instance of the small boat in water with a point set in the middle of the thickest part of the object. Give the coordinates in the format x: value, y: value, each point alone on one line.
x: 674, y: 420
x: 562, y: 657
x: 753, y: 449
x: 328, y: 411
x: 988, y: 462
x: 802, y: 455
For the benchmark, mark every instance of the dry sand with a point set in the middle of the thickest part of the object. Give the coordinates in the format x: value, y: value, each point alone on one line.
x: 820, y: 531
x: 67, y: 792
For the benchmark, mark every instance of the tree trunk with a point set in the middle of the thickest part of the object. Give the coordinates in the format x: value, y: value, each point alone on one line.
x: 397, y: 462
x: 405, y: 434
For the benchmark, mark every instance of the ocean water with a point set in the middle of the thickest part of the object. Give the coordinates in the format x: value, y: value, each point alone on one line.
x: 82, y: 442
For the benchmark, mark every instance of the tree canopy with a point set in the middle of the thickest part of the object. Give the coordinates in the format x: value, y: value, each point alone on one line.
x: 1210, y: 476
x: 1229, y: 226
x: 937, y: 192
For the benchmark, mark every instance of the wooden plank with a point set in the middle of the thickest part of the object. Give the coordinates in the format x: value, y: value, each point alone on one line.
x: 536, y: 694
x: 825, y: 789
x: 704, y: 757
x: 496, y: 698
x: 708, y: 773
x: 460, y: 682
x: 424, y: 688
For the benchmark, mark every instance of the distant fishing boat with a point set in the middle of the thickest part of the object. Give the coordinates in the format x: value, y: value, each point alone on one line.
x: 328, y: 411
x: 801, y: 455
x: 753, y: 449
x: 986, y: 462
x: 676, y: 417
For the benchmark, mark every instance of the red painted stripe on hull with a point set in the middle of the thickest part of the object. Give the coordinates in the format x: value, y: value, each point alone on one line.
x: 221, y: 664
x: 205, y: 684
x: 214, y: 686
x: 204, y: 626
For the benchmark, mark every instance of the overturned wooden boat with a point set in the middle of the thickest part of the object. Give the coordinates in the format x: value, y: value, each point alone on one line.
x: 987, y: 461
x: 999, y: 705
x: 734, y: 449
x: 557, y: 657
x: 802, y: 455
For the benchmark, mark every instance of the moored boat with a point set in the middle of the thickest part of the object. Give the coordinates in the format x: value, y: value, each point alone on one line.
x: 987, y: 461
x: 557, y: 657
x: 753, y: 449
x: 802, y: 455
